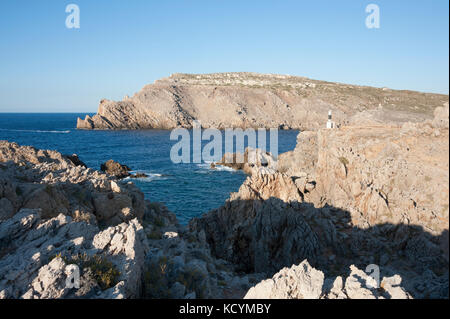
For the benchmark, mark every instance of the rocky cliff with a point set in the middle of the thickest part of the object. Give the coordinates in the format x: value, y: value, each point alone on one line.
x: 344, y: 199
x: 226, y: 100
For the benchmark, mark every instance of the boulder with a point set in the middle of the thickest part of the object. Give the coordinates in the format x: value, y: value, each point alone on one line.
x: 297, y: 282
x: 115, y: 169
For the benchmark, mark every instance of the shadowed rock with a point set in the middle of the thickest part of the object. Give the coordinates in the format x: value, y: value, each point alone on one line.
x: 115, y: 169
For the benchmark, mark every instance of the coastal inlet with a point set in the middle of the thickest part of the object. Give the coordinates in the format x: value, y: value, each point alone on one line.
x: 187, y: 189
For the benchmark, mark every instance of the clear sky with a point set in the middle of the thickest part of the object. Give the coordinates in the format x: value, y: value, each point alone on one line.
x: 123, y: 45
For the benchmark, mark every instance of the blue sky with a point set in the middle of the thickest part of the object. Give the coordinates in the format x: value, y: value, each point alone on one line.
x: 124, y: 45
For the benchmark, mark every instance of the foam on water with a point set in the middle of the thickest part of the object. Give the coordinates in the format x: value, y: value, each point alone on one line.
x: 187, y: 189
x: 150, y: 176
x: 36, y: 131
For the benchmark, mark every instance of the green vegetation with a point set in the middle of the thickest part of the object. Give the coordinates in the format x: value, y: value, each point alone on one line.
x: 192, y: 279
x: 161, y: 274
x: 344, y: 161
x: 155, y: 234
x: 159, y: 222
x: 156, y: 280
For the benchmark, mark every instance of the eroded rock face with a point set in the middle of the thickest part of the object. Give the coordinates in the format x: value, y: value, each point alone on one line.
x: 303, y: 159
x: 262, y: 227
x: 226, y: 100
x: 384, y: 174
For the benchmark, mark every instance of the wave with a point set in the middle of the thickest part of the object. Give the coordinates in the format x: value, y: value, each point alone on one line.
x: 35, y: 131
x: 207, y: 166
x: 150, y: 176
x: 223, y: 168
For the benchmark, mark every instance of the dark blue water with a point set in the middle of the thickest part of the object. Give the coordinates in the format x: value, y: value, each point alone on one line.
x: 187, y: 189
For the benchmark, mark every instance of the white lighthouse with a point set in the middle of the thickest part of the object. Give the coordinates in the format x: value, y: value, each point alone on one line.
x: 330, y: 123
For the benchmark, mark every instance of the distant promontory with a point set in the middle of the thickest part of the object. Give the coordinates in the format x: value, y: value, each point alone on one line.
x: 230, y: 100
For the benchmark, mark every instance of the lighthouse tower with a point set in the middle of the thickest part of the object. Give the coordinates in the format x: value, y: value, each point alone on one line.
x: 330, y: 123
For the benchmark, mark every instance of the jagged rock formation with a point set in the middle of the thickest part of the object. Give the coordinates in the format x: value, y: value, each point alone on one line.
x: 305, y: 282
x: 34, y: 252
x: 368, y: 195
x: 226, y: 100
x: 46, y: 180
x: 52, y: 210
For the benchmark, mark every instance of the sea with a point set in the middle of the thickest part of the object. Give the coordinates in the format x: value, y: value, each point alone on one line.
x: 187, y: 189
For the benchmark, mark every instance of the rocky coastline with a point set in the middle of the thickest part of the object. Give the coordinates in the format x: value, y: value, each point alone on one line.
x: 307, y: 227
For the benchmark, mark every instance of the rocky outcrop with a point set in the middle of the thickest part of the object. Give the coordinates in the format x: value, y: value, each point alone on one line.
x: 380, y: 174
x: 303, y: 159
x: 180, y: 265
x: 297, y: 282
x: 226, y: 100
x: 37, y: 255
x: 251, y: 162
x: 51, y: 182
x: 119, y: 171
x: 387, y: 174
x: 305, y: 282
x: 115, y: 169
